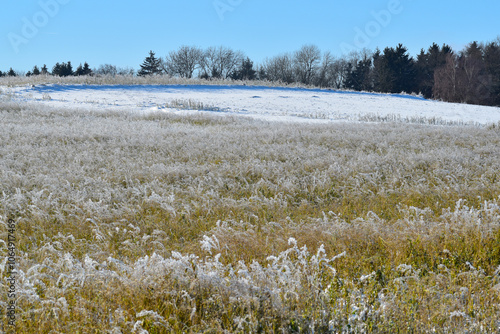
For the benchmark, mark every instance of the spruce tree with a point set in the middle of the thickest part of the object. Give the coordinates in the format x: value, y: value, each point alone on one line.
x: 150, y: 66
x: 394, y: 70
x: 359, y: 78
x: 86, y: 69
x: 492, y: 63
x: 83, y: 70
x: 79, y: 70
x: 45, y: 70
x: 245, y: 72
x: 12, y: 73
x: 427, y: 64
x: 63, y: 70
x: 57, y: 69
x: 35, y: 71
x: 68, y: 69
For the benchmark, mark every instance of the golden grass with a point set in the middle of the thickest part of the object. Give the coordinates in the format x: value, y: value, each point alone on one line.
x: 162, y: 223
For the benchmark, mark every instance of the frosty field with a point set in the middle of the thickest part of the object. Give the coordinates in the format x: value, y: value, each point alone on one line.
x: 268, y: 103
x: 270, y: 210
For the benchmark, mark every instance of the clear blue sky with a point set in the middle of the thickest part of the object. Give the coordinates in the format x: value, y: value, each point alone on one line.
x: 122, y: 32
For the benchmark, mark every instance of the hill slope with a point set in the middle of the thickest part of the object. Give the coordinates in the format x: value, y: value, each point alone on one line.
x: 282, y: 104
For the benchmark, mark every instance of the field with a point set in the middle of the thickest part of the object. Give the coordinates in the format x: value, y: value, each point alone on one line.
x: 142, y: 218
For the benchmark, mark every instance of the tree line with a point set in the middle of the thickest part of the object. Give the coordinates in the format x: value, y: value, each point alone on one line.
x: 471, y: 75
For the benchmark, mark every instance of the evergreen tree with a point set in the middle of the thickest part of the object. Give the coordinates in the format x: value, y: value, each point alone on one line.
x: 79, y: 70
x: 1, y: 74
x: 63, y: 70
x: 150, y: 66
x: 45, y: 70
x: 68, y: 69
x: 83, y: 70
x: 86, y: 69
x: 427, y: 64
x: 359, y: 78
x: 492, y: 64
x: 394, y: 70
x: 57, y: 69
x: 245, y: 72
x: 12, y: 73
x: 35, y: 71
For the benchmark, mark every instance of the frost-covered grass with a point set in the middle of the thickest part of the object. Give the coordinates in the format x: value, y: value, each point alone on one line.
x: 265, y: 103
x: 203, y: 223
x: 133, y: 80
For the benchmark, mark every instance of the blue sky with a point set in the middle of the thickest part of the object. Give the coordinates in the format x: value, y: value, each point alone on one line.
x: 122, y: 32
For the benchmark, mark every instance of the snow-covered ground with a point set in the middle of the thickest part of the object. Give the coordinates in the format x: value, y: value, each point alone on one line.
x: 287, y: 104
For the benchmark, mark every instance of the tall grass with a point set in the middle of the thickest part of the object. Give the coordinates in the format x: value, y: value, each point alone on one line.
x: 161, y: 223
x: 134, y: 80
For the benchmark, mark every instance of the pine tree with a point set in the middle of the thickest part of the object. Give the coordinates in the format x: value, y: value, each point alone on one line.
x: 63, y: 70
x: 426, y: 66
x: 150, y: 66
x: 35, y: 71
x: 79, y: 70
x: 245, y: 72
x: 359, y: 78
x: 83, y: 70
x: 86, y: 69
x: 57, y: 69
x: 492, y: 63
x: 12, y: 73
x: 45, y: 70
x: 68, y: 69
x: 394, y: 70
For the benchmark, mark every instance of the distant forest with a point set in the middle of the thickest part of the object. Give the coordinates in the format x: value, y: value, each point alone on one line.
x: 471, y: 75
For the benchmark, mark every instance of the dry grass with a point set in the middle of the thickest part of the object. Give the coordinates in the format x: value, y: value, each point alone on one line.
x: 163, y: 223
x: 134, y: 80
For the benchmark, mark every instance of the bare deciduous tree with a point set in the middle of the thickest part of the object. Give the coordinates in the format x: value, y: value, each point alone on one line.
x: 306, y: 62
x: 475, y: 83
x: 220, y: 62
x: 463, y: 78
x: 184, y: 61
x: 323, y: 78
x: 339, y: 71
x: 279, y: 68
x: 446, y: 80
x: 106, y: 69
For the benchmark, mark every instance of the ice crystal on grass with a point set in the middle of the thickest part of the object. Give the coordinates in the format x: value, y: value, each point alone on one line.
x: 209, y: 243
x: 203, y: 223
